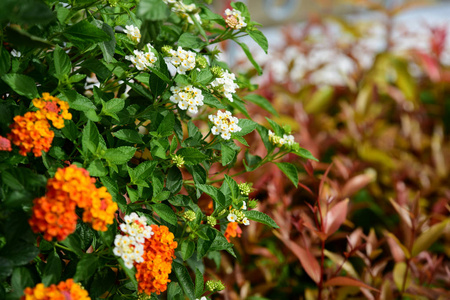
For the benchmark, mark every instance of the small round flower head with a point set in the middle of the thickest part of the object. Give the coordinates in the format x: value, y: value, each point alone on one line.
x: 232, y: 218
x: 143, y: 60
x: 224, y: 124
x: 245, y: 221
x: 286, y: 140
x: 189, y: 215
x: 214, y: 285
x: 234, y: 19
x: 201, y: 61
x: 178, y: 160
x: 133, y: 33
x: 53, y: 109
x: 224, y: 84
x: 245, y: 188
x: 64, y: 290
x: 211, y: 221
x: 187, y: 97
x: 181, y: 59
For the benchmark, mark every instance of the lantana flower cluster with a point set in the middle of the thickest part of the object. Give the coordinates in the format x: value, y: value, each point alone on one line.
x: 31, y: 132
x: 64, y: 290
x: 224, y: 84
x: 130, y: 244
x: 159, y: 251
x: 182, y: 60
x: 187, y: 97
x: 234, y: 19
x: 224, y: 124
x: 54, y: 214
x: 143, y: 60
x: 133, y: 33
x: 286, y: 140
x: 184, y: 10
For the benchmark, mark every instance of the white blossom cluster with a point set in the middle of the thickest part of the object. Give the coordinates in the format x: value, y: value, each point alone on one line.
x: 281, y: 141
x: 130, y: 245
x: 133, y: 33
x: 234, y: 19
x: 224, y: 124
x: 187, y: 97
x: 181, y: 59
x: 143, y: 60
x: 177, y: 6
x: 225, y: 84
x: 238, y: 216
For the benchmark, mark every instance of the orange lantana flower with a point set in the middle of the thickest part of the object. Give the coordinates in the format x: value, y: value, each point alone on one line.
x: 63, y: 291
x: 5, y: 144
x: 31, y: 134
x: 53, y: 109
x: 153, y: 274
x: 54, y: 214
x: 232, y: 230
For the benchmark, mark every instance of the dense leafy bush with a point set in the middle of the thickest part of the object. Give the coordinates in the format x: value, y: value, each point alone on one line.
x: 119, y: 129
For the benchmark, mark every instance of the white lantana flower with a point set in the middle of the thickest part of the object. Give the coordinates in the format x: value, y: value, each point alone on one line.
x: 225, y: 84
x: 245, y: 221
x: 177, y: 6
x: 232, y: 218
x: 234, y: 19
x: 181, y: 59
x: 133, y: 33
x: 224, y: 124
x: 130, y: 245
x: 281, y: 141
x: 143, y: 60
x: 187, y: 97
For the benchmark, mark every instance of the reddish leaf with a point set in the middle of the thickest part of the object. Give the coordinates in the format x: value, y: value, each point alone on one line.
x: 356, y: 184
x: 335, y: 217
x: 347, y: 281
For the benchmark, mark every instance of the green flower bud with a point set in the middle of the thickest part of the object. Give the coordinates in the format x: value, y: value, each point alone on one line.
x: 178, y: 160
x: 217, y: 71
x: 189, y: 215
x: 215, y: 285
x: 166, y: 50
x: 211, y: 221
x: 245, y: 188
x: 252, y: 203
x: 201, y: 61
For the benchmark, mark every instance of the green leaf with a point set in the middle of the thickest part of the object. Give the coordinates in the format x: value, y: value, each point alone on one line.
x: 207, y: 236
x: 276, y: 128
x: 21, y: 279
x: 131, y: 273
x: 156, y: 84
x: 165, y: 128
x: 61, y: 62
x: 113, y: 106
x: 119, y: 155
x: 184, y: 280
x: 77, y: 101
x: 84, y: 33
x: 234, y: 188
x: 400, y: 278
x: 165, y: 213
x: 86, y: 267
x: 142, y: 172
x: 305, y: 154
x: 191, y: 156
x: 228, y: 154
x: 215, y: 194
x: 188, y: 40
x: 250, y: 56
x: 73, y: 242
x: 262, y: 102
x: 129, y: 135
x: 187, y: 249
x: 90, y: 138
x: 5, y: 61
x: 152, y: 10
x: 204, y: 76
x: 108, y: 47
x: 427, y: 238
x: 174, y: 180
x: 259, y: 38
x: 22, y: 85
x: 247, y: 126
x: 212, y: 101
x: 261, y: 218
x: 26, y: 12
x: 96, y: 66
x: 199, y: 284
x: 290, y: 171
x: 97, y: 169
x: 53, y: 269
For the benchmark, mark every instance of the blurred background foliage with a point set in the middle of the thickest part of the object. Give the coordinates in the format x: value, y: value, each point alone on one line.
x: 370, y: 97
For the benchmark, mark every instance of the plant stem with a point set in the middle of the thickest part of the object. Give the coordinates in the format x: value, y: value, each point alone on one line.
x: 322, y: 260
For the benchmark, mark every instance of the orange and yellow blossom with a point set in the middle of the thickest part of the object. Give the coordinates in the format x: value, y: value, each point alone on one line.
x: 232, y: 230
x: 31, y: 134
x: 53, y: 109
x: 63, y: 291
x: 54, y: 214
x: 153, y: 274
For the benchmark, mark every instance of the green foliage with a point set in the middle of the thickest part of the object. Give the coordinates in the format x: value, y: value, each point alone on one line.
x: 130, y: 132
